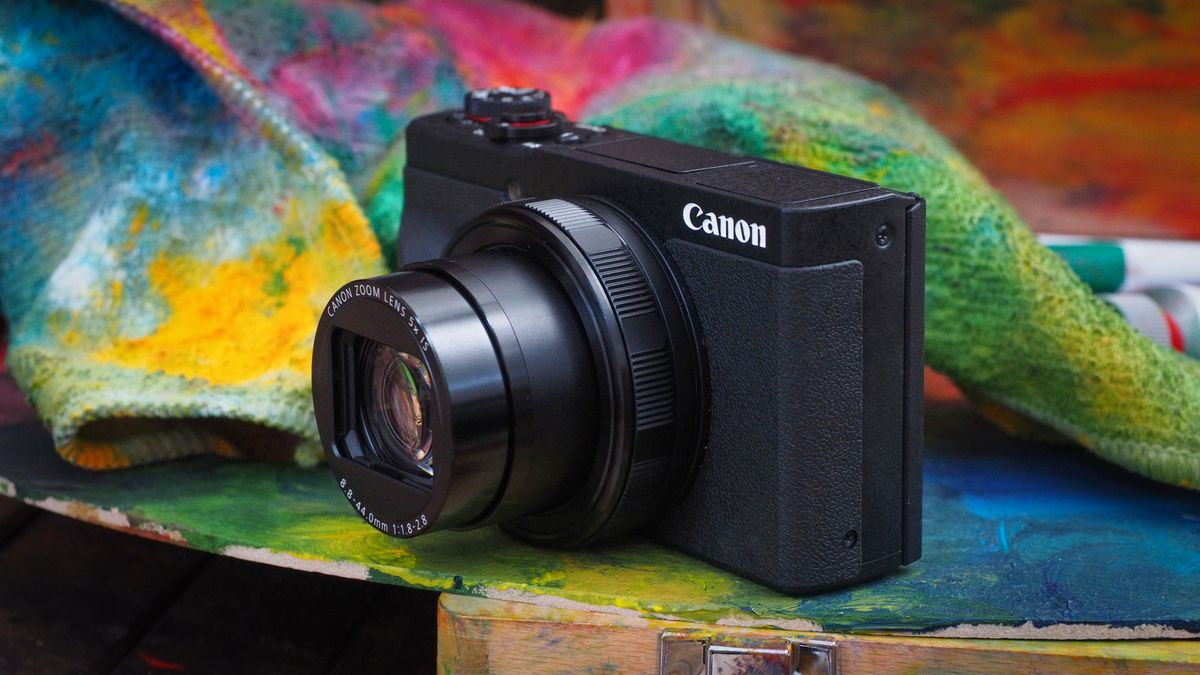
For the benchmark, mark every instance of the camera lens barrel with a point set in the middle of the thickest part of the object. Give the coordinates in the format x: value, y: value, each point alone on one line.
x: 550, y: 385
x: 467, y: 402
x: 543, y: 366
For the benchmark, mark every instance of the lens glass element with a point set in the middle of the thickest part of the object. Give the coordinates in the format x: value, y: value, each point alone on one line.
x: 396, y: 406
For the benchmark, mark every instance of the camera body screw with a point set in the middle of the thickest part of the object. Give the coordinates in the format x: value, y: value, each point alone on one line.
x: 883, y: 235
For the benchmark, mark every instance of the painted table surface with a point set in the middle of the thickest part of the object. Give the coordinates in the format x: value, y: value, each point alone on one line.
x: 1021, y: 540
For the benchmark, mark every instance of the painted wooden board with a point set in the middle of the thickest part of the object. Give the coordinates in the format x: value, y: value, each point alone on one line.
x: 1021, y: 540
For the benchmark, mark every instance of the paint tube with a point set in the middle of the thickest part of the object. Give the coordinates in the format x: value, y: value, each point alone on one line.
x: 1121, y: 265
x: 1168, y: 315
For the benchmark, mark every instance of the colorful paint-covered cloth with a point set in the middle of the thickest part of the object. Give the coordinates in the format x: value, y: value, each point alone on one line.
x: 184, y: 184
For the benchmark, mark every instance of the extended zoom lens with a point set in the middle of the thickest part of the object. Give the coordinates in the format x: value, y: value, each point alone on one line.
x: 535, y: 377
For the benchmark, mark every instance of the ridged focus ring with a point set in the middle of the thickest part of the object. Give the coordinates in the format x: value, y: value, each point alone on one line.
x: 645, y: 353
x: 631, y: 297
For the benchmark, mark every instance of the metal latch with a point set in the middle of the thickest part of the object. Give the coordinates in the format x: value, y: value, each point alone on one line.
x: 699, y: 653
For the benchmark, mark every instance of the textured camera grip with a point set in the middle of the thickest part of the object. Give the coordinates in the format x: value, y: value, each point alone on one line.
x: 778, y: 497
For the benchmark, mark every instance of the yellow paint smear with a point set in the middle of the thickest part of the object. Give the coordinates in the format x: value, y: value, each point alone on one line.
x: 240, y: 320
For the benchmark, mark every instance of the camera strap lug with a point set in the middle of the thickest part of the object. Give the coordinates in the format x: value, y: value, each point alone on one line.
x: 701, y: 653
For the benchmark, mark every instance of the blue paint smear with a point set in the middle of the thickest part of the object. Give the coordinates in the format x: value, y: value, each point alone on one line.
x: 1050, y: 534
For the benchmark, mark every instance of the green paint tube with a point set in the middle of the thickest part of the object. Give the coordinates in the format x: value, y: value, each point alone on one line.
x: 1112, y: 265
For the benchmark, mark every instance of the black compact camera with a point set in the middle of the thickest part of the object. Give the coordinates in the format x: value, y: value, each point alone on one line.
x: 596, y: 331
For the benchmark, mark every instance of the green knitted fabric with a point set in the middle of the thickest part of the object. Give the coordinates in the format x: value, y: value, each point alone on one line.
x: 1006, y: 318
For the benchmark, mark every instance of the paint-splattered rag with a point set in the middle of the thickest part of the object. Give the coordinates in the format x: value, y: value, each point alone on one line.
x: 185, y: 182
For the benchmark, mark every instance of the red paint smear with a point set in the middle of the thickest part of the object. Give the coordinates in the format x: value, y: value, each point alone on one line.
x: 1074, y: 85
x: 1173, y: 329
x: 941, y: 389
x: 500, y: 43
x: 36, y: 151
x: 159, y: 664
x: 1181, y: 217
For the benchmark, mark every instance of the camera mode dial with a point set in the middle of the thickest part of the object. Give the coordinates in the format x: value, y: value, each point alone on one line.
x: 513, y: 113
x: 484, y: 104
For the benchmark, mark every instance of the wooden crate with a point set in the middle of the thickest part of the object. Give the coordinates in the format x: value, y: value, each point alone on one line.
x: 498, y: 637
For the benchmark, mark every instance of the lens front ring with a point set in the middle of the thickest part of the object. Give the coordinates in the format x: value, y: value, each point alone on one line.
x: 465, y: 403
